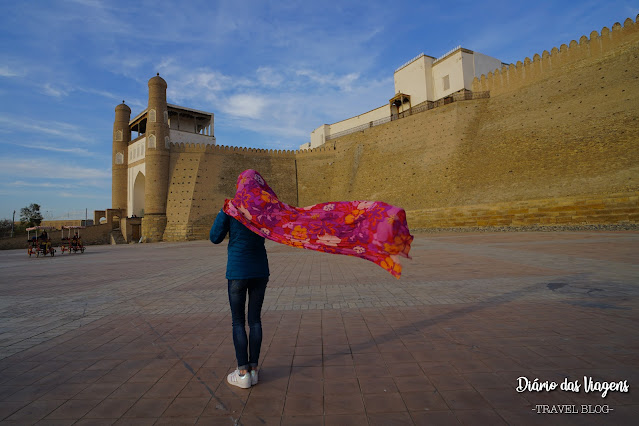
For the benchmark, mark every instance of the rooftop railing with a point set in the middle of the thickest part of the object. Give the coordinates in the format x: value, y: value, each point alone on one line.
x: 465, y: 95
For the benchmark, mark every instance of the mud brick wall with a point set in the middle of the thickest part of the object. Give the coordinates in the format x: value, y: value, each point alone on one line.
x: 581, y: 210
x: 556, y: 133
x: 202, y: 176
x: 555, y: 143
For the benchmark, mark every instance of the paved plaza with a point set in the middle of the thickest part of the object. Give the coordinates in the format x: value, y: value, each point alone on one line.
x: 141, y: 334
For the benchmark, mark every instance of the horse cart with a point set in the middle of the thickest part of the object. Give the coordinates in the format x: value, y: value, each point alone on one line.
x: 40, y: 244
x: 72, y: 243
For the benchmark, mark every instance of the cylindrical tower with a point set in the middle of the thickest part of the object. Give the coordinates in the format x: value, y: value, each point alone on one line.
x: 156, y: 162
x: 119, y: 165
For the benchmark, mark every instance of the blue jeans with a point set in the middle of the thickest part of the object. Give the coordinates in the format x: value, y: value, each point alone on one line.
x: 256, y: 288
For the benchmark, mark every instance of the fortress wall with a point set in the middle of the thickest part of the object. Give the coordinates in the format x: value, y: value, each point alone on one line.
x: 405, y: 162
x: 202, y: 177
x: 554, y: 144
x: 573, y: 131
x: 315, y: 175
x: 558, y: 138
x: 578, y: 210
x: 596, y: 46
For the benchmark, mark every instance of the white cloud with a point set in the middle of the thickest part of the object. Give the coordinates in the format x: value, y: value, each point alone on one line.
x: 89, y: 3
x: 202, y: 84
x: 346, y: 82
x: 280, y: 102
x: 57, y: 92
x: 245, y: 105
x: 269, y: 77
x: 6, y: 72
x: 43, y: 168
x: 20, y: 125
x: 123, y: 62
x: 45, y: 147
x: 23, y: 184
x: 103, y: 93
x: 63, y: 89
x: 343, y: 82
x: 314, y: 76
x: 79, y: 195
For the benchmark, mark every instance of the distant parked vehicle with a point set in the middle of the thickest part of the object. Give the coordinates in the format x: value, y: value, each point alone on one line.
x: 72, y: 243
x: 40, y: 244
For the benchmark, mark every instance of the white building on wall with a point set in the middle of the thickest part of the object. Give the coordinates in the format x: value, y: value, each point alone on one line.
x: 423, y: 79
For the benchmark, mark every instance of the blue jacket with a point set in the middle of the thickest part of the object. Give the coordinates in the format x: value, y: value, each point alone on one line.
x: 246, y: 251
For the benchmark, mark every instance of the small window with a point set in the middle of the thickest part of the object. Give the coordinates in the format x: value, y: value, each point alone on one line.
x: 152, y: 115
x: 446, y: 81
x: 119, y: 158
x: 152, y: 141
x: 118, y: 135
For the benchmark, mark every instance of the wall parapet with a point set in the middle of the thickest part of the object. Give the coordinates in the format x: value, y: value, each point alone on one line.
x: 320, y: 149
x: 598, y: 44
x: 463, y: 95
x: 226, y: 149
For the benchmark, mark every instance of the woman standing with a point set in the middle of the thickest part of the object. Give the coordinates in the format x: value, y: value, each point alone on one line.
x: 247, y: 272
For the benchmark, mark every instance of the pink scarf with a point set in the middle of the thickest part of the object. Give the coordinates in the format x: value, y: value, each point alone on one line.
x: 372, y: 230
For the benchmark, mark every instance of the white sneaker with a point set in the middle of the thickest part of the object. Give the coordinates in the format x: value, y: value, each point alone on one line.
x: 253, y: 377
x: 236, y: 379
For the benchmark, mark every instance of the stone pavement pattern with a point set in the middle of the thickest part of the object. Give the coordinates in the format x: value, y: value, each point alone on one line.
x: 140, y: 334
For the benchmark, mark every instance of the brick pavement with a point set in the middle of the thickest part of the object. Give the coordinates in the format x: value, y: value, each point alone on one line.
x: 140, y: 334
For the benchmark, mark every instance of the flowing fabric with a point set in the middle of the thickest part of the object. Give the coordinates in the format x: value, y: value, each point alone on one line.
x: 372, y: 230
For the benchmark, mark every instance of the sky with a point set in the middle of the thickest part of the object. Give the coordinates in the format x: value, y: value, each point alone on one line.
x: 270, y: 71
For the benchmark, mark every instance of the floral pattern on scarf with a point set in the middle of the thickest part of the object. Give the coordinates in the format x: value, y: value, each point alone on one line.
x: 371, y: 230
